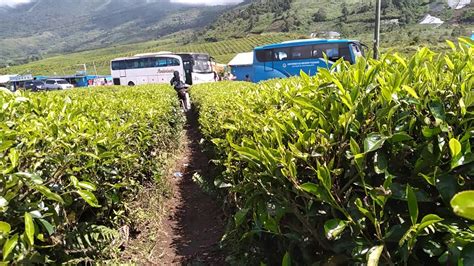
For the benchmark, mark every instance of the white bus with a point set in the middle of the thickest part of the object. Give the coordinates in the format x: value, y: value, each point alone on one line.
x: 159, y: 68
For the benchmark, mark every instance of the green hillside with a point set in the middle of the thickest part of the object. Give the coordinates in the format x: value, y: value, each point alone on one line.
x: 43, y: 27
x: 349, y: 17
x: 222, y: 51
x: 237, y: 30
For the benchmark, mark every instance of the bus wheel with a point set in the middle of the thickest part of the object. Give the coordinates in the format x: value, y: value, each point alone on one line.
x: 131, y: 84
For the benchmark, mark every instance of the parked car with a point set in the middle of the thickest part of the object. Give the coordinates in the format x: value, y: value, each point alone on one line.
x: 35, y: 85
x: 57, y: 84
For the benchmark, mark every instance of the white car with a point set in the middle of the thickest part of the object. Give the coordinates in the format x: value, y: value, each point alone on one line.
x: 57, y: 84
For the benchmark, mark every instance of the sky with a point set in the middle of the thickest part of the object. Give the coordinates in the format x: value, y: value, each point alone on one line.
x: 13, y: 2
x: 207, y: 2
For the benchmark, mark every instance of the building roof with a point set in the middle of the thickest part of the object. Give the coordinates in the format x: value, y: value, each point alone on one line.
x: 458, y: 4
x: 6, y: 78
x: 428, y: 19
x: 242, y: 59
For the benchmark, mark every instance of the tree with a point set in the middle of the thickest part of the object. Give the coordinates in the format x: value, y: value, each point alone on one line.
x: 320, y: 15
x: 345, y: 12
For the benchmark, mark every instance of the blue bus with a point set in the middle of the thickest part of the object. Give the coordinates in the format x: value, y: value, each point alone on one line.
x: 287, y: 59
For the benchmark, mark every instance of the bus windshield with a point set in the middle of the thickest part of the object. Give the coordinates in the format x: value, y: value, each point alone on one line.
x: 202, y: 64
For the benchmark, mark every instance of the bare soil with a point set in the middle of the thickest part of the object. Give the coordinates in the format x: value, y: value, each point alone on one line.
x: 194, y: 221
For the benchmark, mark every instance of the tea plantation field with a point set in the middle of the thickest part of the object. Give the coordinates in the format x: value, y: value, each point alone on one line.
x: 72, y: 161
x: 371, y: 164
x: 99, y: 60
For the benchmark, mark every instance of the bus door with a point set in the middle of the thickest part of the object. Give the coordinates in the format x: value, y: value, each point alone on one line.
x: 188, y: 71
x: 357, y: 51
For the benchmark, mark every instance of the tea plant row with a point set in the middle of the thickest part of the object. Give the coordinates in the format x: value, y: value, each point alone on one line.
x: 70, y: 164
x: 370, y: 163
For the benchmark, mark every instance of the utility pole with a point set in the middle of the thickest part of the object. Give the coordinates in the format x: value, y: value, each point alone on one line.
x: 378, y: 6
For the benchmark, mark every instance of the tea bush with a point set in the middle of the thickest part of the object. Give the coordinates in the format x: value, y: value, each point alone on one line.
x: 70, y: 161
x: 355, y: 166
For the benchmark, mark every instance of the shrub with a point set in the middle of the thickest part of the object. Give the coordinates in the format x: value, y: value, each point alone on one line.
x: 70, y: 162
x: 351, y: 166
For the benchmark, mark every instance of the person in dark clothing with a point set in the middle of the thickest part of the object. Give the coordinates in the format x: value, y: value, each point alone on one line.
x: 179, y: 86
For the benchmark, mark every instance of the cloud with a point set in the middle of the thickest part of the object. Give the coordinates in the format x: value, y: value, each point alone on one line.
x: 12, y: 3
x: 207, y: 2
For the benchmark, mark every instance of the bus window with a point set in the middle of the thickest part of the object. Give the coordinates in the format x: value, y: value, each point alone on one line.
x: 135, y: 63
x: 357, y: 50
x: 173, y: 62
x: 344, y: 52
x: 264, y: 55
x: 118, y: 65
x: 202, y: 67
x: 301, y: 52
x: 162, y: 62
x: 281, y: 54
x: 202, y: 64
x: 333, y: 51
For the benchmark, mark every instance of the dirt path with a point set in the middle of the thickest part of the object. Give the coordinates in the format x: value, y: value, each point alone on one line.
x: 194, y: 224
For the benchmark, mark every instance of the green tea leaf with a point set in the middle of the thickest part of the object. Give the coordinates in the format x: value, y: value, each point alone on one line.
x: 89, y: 198
x: 48, y: 193
x: 355, y: 149
x: 34, y: 178
x: 317, y: 191
x: 239, y: 217
x: 364, y: 211
x: 467, y: 255
x: 429, y: 178
x: 87, y: 185
x: 374, y: 255
x: 449, y: 63
x: 334, y: 228
x: 455, y: 147
x: 380, y: 163
x: 5, y: 228
x: 438, y: 111
x: 447, y: 186
x: 74, y: 181
x: 286, y: 260
x: 9, y: 246
x: 14, y: 156
x: 463, y: 204
x: 430, y: 132
x: 410, y: 91
x: 412, y: 204
x: 4, y: 145
x: 373, y: 142
x: 324, y: 177
x: 49, y: 227
x: 428, y: 220
x: 400, y: 137
x: 29, y: 228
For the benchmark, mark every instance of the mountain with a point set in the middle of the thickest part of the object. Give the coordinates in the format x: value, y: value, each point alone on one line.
x: 351, y: 18
x: 62, y: 26
x: 45, y: 28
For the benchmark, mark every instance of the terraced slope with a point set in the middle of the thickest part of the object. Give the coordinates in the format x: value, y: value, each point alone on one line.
x: 99, y: 60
